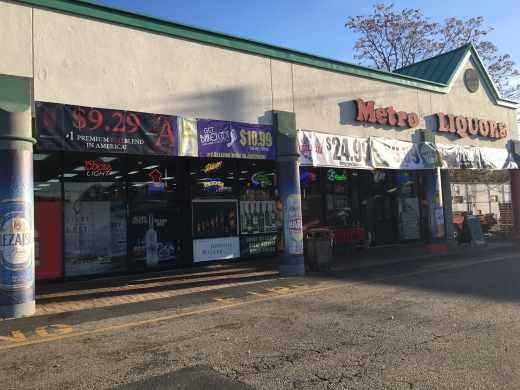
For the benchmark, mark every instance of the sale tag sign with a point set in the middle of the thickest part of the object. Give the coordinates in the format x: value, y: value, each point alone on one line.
x: 116, y: 131
x: 329, y: 150
x: 395, y: 154
x: 223, y: 139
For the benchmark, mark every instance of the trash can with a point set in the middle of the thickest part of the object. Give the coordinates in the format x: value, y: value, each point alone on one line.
x: 319, y: 248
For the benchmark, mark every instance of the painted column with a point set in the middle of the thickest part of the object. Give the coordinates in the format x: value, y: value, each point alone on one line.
x: 16, y: 199
x: 433, y: 211
x: 514, y: 188
x: 434, y: 222
x: 514, y: 180
x: 448, y: 207
x: 288, y: 199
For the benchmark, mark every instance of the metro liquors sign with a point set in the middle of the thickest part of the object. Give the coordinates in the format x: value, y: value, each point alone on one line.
x: 446, y: 123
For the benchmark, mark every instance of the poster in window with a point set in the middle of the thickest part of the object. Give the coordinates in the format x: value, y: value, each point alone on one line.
x: 94, y: 237
x: 49, y: 126
x: 261, y: 219
x: 153, y: 238
x: 214, y: 218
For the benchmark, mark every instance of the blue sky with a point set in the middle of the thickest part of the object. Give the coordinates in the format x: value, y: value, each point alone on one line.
x: 317, y: 26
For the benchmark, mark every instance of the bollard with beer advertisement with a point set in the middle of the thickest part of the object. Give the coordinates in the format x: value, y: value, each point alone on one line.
x: 16, y: 200
x: 289, y: 219
x: 288, y: 200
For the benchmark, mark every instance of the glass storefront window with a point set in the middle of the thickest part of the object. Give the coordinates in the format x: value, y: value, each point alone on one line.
x: 257, y: 194
x: 257, y: 215
x: 47, y: 215
x: 408, y: 206
x: 378, y: 206
x: 94, y: 178
x: 312, y: 197
x: 341, y: 188
x: 154, y: 236
x: 213, y: 179
x: 94, y: 213
x: 47, y: 174
x: 152, y: 182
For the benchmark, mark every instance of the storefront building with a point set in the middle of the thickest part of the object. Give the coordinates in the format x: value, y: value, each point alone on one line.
x: 160, y: 145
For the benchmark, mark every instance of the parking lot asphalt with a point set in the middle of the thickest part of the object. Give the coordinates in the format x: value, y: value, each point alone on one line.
x: 103, y: 292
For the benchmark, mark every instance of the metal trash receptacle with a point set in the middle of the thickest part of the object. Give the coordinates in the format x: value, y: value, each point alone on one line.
x: 319, y: 248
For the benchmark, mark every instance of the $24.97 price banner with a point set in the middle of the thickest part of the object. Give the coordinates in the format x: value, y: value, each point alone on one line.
x: 235, y: 140
x: 329, y: 150
x: 319, y: 149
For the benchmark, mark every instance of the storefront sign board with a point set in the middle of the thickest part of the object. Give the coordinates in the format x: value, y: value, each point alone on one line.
x: 225, y: 139
x: 474, y: 157
x: 395, y: 154
x: 90, y: 129
x: 216, y: 249
x: 319, y: 149
x: 258, y: 245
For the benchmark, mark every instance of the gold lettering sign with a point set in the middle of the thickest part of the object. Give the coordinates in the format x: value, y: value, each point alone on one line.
x: 212, y: 166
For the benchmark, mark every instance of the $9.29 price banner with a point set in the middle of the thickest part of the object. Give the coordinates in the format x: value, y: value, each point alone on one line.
x: 90, y: 129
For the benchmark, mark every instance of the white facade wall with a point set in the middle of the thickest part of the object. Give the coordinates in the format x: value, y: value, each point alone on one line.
x: 78, y: 60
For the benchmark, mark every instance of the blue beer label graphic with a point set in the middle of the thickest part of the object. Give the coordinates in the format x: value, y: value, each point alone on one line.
x: 16, y: 246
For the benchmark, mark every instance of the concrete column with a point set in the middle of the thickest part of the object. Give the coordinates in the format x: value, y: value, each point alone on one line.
x: 16, y: 199
x: 514, y: 180
x: 448, y: 205
x: 288, y: 200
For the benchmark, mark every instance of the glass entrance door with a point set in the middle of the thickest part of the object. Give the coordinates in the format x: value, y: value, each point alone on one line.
x: 378, y: 207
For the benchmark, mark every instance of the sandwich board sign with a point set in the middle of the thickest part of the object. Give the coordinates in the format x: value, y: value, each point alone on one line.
x: 472, y: 230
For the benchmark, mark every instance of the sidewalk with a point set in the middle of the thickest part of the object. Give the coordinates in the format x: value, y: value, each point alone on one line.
x: 74, y: 296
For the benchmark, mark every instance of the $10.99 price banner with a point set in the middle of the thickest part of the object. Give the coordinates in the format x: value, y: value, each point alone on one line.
x: 234, y: 140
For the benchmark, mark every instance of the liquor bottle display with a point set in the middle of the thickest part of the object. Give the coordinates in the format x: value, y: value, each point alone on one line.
x: 232, y: 223
x: 243, y: 216
x: 261, y: 218
x: 272, y: 216
x: 255, y: 219
x: 249, y: 219
x: 216, y: 219
x: 152, y: 258
x: 258, y: 219
x: 267, y: 217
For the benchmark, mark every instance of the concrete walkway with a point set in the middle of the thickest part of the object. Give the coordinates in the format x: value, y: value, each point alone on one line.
x: 65, y: 297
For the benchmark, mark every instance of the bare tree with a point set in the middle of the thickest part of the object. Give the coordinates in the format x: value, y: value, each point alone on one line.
x: 392, y: 40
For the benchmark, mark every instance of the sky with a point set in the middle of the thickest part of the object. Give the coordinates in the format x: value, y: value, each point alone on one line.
x: 318, y: 26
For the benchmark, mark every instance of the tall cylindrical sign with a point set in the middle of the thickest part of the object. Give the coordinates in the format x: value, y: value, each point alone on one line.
x: 16, y: 200
x: 289, y: 219
x: 288, y: 200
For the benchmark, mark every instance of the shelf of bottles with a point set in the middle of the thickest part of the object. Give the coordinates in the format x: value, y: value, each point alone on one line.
x: 214, y: 218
